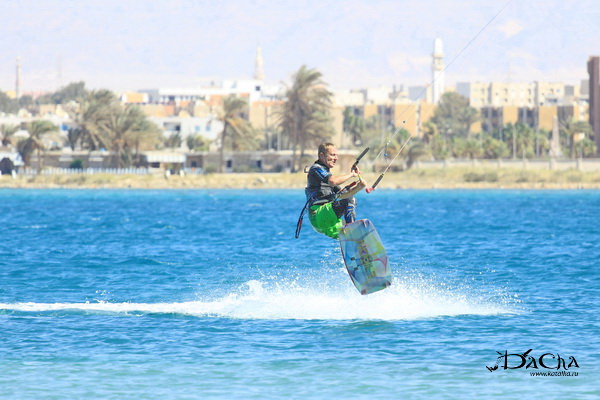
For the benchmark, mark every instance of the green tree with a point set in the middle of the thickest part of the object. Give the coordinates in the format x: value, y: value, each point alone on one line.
x: 305, y: 115
x: 494, y: 148
x: 103, y: 123
x: 440, y: 149
x: 73, y: 137
x: 237, y: 131
x: 25, y: 101
x: 429, y: 130
x: 125, y: 129
x: 146, y: 136
x: 467, y: 148
x: 8, y: 105
x: 8, y: 132
x: 453, y: 115
x: 354, y: 126
x: 39, y: 132
x: 521, y: 139
x: 92, y: 117
x: 173, y: 141
x: 585, y: 147
x: 415, y: 152
x: 575, y: 131
x: 197, y: 143
x: 372, y: 134
x: 72, y: 92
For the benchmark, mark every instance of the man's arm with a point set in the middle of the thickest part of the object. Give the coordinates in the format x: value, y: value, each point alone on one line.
x: 335, y: 180
x: 360, y: 185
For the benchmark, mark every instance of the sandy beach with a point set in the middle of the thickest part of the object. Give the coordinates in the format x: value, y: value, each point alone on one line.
x: 443, y: 178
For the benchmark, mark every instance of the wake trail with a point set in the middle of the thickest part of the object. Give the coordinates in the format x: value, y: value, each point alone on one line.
x: 269, y: 299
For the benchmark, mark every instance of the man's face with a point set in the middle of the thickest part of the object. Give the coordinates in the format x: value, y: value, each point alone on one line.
x: 330, y: 158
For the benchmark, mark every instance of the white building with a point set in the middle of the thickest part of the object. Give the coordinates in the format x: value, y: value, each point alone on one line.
x: 251, y: 87
x: 348, y: 97
x: 521, y: 94
x: 208, y: 127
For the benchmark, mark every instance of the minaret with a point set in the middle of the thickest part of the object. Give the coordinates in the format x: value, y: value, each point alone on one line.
x: 258, y: 67
x: 437, y: 69
x: 554, y: 142
x: 18, y: 81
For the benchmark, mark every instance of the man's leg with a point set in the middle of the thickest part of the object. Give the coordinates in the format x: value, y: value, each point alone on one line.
x: 346, y: 208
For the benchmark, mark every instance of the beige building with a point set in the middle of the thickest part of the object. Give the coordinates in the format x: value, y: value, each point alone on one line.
x: 545, y: 116
x: 263, y: 114
x: 405, y: 115
x: 520, y: 94
x: 547, y: 93
x: 512, y: 94
x: 158, y: 110
x: 478, y: 93
x: 134, y: 98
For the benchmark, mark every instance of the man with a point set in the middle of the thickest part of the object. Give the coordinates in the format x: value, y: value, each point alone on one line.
x: 329, y: 205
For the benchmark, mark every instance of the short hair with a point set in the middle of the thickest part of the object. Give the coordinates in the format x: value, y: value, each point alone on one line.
x: 324, y: 146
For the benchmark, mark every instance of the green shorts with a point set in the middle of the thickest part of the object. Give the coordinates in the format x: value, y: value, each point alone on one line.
x: 324, y: 220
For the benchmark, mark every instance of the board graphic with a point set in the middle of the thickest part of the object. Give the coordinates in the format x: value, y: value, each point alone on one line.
x: 365, y: 257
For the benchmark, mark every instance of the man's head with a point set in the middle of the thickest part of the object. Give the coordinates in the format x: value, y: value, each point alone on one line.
x: 328, y: 154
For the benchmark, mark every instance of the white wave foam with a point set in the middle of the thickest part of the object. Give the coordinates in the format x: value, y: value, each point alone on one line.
x: 265, y: 300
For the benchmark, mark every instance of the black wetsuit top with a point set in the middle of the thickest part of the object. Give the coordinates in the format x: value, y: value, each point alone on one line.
x: 318, y: 190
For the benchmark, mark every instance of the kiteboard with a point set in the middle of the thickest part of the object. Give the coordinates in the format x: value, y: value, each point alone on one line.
x: 365, y: 256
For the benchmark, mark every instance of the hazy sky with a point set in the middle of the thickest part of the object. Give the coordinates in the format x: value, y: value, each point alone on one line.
x: 135, y: 44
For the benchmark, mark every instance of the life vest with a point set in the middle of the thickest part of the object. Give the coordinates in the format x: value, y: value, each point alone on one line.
x: 319, y: 198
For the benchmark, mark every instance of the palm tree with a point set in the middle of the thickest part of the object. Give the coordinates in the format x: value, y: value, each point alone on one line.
x: 455, y: 115
x: 73, y: 136
x: 145, y: 137
x: 125, y: 129
x: 354, y: 125
x: 197, y: 142
x: 525, y: 136
x: 416, y: 151
x: 430, y: 130
x: 235, y: 127
x: 305, y: 115
x: 93, y: 115
x: 7, y: 132
x: 174, y: 140
x: 38, y: 132
x: 574, y: 131
x: 494, y: 148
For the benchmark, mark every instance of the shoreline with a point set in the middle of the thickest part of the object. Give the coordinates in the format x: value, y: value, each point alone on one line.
x: 443, y: 178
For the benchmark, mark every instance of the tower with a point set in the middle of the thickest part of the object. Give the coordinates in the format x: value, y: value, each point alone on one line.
x: 18, y: 80
x: 258, y: 66
x: 437, y: 69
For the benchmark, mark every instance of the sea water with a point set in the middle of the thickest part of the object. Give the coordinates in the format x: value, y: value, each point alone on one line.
x: 126, y: 294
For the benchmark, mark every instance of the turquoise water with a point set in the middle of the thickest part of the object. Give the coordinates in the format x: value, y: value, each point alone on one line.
x: 206, y: 294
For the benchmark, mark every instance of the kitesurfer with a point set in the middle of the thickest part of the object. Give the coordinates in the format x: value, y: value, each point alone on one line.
x: 329, y: 205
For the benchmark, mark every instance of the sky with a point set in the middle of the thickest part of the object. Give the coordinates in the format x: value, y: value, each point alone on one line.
x: 143, y: 44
